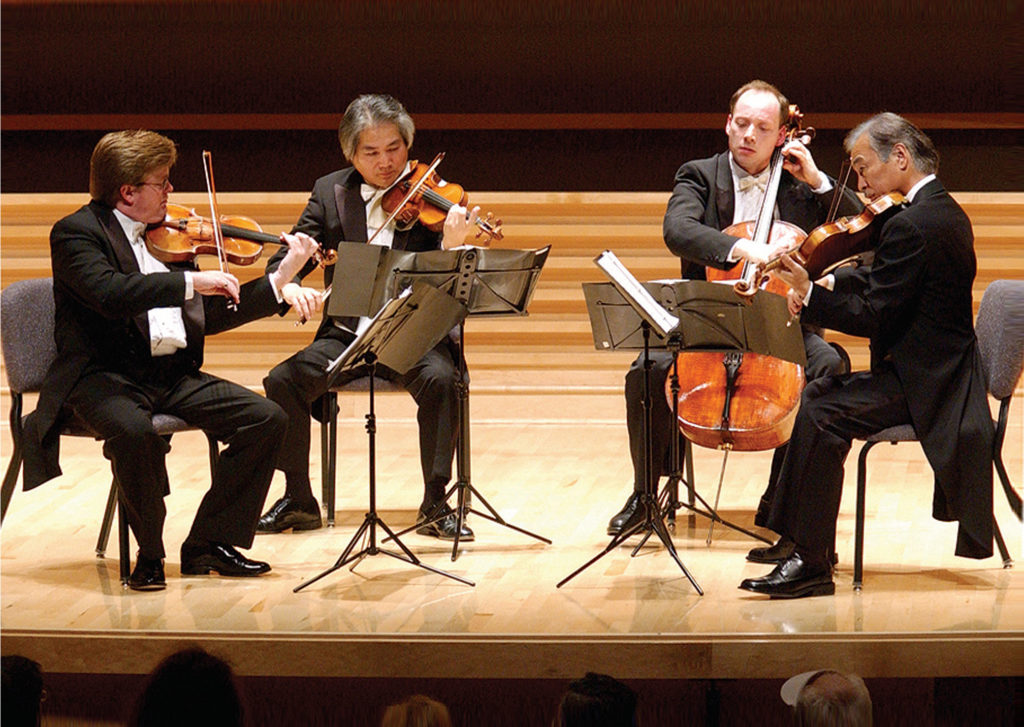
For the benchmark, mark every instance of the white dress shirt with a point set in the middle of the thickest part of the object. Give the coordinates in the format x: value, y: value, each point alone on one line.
x: 166, y: 325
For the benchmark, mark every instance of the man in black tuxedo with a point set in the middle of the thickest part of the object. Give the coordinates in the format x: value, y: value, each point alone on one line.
x: 915, y: 306
x: 375, y: 133
x: 129, y: 331
x: 709, y: 196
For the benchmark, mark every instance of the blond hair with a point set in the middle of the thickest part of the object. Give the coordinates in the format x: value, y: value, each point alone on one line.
x: 126, y: 157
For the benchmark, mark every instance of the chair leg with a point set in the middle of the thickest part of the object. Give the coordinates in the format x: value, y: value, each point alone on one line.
x: 122, y: 541
x: 329, y: 453
x: 14, y: 467
x: 214, y: 452
x: 108, y: 521
x: 1001, y: 544
x: 10, y: 481
x: 325, y: 411
x: 858, y: 536
x: 1011, y: 495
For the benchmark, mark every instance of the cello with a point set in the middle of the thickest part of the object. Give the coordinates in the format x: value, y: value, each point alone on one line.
x: 740, y: 400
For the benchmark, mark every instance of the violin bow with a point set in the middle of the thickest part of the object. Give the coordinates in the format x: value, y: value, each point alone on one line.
x: 218, y: 235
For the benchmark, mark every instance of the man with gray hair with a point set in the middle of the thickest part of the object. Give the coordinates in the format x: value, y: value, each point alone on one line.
x: 375, y: 134
x: 914, y: 304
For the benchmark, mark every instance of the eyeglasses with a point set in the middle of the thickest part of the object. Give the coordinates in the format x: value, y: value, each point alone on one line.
x: 163, y: 186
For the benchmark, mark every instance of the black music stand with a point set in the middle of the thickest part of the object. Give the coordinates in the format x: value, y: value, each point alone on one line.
x: 613, y: 329
x: 712, y: 318
x: 489, y: 282
x: 399, y: 335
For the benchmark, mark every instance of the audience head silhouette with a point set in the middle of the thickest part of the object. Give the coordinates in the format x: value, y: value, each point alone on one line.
x: 22, y: 695
x: 826, y: 698
x: 190, y: 687
x: 417, y: 711
x: 597, y: 700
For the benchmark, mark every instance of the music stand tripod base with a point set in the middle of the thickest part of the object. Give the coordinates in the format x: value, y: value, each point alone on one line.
x: 399, y: 335
x: 652, y: 521
x: 489, y: 283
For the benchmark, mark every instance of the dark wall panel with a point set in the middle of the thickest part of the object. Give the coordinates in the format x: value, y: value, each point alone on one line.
x: 259, y: 57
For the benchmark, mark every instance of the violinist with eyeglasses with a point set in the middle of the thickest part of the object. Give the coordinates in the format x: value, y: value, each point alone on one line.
x: 350, y: 205
x: 130, y: 330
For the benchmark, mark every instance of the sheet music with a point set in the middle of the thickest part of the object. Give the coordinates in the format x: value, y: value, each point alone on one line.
x: 654, y: 313
x: 359, y: 341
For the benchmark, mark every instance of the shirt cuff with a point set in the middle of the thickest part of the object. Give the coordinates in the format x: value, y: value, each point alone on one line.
x: 825, y: 186
x: 273, y: 286
x: 190, y: 290
x: 732, y: 257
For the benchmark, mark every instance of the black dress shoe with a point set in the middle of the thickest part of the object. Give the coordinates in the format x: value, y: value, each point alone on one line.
x: 794, y: 578
x: 286, y: 514
x: 777, y: 553
x: 148, y: 575
x: 627, y: 515
x: 221, y: 559
x: 446, y: 527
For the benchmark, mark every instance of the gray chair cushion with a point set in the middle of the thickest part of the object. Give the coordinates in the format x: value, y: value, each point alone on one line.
x: 26, y: 318
x: 1000, y: 329
x: 363, y: 384
x: 899, y: 433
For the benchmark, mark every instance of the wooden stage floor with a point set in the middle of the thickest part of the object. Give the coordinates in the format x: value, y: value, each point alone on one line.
x: 551, y: 470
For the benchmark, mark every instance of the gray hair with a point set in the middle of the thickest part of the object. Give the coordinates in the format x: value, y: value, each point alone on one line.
x: 371, y: 110
x: 887, y: 129
x: 833, y: 699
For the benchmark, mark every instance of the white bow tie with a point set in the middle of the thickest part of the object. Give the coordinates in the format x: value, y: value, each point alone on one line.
x: 368, y: 192
x: 760, y: 181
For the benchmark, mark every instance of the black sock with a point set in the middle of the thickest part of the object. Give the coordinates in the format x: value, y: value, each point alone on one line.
x: 298, y: 488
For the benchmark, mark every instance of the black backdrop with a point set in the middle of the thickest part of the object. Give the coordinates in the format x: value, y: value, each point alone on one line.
x: 206, y: 72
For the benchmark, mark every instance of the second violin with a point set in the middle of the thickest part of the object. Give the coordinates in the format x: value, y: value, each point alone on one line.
x: 432, y: 199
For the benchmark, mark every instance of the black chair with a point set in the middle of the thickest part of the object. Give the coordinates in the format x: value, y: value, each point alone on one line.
x: 26, y: 336
x: 1000, y: 331
x: 329, y: 434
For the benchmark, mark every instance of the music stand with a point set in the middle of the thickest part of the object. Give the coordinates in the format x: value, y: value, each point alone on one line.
x: 489, y: 282
x: 609, y: 334
x: 407, y: 326
x: 712, y: 318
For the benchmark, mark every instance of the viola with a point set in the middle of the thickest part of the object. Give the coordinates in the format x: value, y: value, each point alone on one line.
x: 431, y: 200
x: 184, y: 234
x: 831, y: 244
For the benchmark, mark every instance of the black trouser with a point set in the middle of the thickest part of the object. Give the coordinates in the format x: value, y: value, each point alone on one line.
x: 302, y: 379
x: 119, y: 408
x: 834, y: 411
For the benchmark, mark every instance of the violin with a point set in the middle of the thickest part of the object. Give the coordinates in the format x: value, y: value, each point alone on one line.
x: 833, y: 243
x: 430, y: 201
x: 184, y: 234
